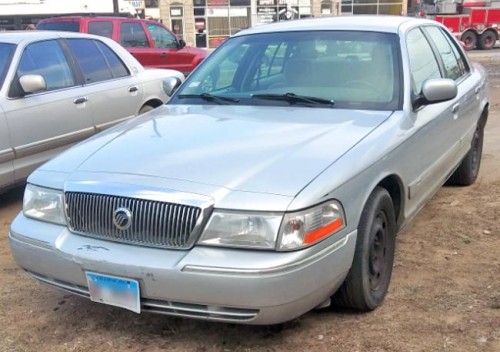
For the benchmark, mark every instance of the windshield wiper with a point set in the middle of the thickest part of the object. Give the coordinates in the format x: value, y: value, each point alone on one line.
x: 210, y: 97
x: 294, y: 98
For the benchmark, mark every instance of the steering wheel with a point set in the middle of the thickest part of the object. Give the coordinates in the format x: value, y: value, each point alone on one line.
x: 358, y: 82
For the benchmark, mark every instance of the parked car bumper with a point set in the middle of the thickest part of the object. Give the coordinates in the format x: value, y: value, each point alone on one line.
x: 264, y: 288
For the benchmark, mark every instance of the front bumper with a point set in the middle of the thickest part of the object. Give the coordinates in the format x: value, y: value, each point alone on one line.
x: 230, y: 285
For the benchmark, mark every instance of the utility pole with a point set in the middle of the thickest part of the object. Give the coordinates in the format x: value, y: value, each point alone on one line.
x: 116, y: 8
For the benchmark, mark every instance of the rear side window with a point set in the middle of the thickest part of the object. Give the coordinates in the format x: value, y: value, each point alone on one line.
x: 48, y: 60
x: 60, y: 26
x: 101, y: 28
x: 93, y: 62
x: 117, y: 67
x: 132, y: 35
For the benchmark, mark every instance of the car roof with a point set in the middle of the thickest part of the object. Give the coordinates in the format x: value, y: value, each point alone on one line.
x: 379, y: 23
x: 17, y: 37
x: 94, y: 18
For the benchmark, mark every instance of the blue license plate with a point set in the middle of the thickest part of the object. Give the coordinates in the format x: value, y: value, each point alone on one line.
x: 115, y: 291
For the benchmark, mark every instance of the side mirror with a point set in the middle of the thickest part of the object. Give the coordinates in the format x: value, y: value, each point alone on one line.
x: 170, y: 85
x: 32, y: 83
x: 182, y: 43
x: 436, y: 91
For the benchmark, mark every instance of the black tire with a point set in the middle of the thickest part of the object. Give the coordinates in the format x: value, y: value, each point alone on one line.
x: 467, y: 171
x: 366, y: 285
x: 469, y: 39
x: 145, y: 108
x: 487, y: 40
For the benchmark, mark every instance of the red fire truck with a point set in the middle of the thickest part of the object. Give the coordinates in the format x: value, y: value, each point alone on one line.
x: 475, y: 23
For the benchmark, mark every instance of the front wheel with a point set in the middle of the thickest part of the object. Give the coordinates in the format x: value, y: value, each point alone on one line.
x: 366, y: 284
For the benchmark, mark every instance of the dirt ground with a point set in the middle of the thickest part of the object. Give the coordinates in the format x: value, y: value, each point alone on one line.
x: 444, y: 294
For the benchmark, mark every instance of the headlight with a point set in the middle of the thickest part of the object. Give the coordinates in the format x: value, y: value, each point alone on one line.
x: 263, y: 231
x: 233, y: 229
x: 304, y: 228
x: 44, y: 204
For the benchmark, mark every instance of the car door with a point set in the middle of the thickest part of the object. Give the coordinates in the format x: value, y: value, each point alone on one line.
x: 467, y: 106
x: 6, y: 151
x: 115, y: 93
x: 132, y: 36
x: 154, y: 46
x: 168, y: 52
x: 432, y: 146
x: 6, y: 154
x: 44, y: 123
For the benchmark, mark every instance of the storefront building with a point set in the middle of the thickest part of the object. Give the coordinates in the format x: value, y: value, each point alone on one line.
x: 207, y: 23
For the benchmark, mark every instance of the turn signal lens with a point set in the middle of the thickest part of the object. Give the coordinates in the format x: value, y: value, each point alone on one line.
x: 307, y: 227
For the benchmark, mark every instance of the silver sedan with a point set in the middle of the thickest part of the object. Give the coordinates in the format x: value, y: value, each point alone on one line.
x: 273, y: 182
x: 59, y: 88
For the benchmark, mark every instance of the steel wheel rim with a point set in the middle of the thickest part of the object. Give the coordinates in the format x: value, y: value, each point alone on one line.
x: 378, y: 251
x: 475, y: 152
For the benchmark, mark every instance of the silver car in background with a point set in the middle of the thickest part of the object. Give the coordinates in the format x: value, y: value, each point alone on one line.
x: 59, y: 88
x: 274, y: 181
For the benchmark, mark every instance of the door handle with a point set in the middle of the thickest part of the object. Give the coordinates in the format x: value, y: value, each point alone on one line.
x: 163, y: 54
x: 80, y: 100
x: 133, y: 89
x: 455, y: 108
x: 477, y: 89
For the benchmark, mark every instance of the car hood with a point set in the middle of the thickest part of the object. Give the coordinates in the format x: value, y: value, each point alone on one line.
x: 276, y: 150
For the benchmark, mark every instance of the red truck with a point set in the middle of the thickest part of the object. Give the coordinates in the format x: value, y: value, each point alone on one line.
x: 152, y: 44
x: 474, y: 23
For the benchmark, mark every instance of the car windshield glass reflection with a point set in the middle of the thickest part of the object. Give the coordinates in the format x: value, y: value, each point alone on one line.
x: 354, y: 69
x: 6, y: 51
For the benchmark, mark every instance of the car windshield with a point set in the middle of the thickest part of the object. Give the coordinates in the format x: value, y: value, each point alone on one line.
x: 6, y: 51
x: 340, y: 69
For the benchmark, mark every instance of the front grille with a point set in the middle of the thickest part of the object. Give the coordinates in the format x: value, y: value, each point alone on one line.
x: 152, y: 223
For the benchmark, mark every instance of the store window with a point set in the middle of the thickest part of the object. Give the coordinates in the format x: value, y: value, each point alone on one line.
x: 371, y: 7
x: 216, y: 20
x: 327, y: 8
x: 269, y: 11
x: 177, y: 20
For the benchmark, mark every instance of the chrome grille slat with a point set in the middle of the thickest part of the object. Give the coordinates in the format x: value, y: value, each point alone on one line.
x: 164, y: 222
x: 154, y: 223
x: 135, y: 226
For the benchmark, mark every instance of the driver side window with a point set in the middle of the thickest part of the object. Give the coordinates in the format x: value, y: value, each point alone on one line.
x: 222, y: 75
x: 423, y: 64
x: 47, y: 59
x: 161, y: 37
